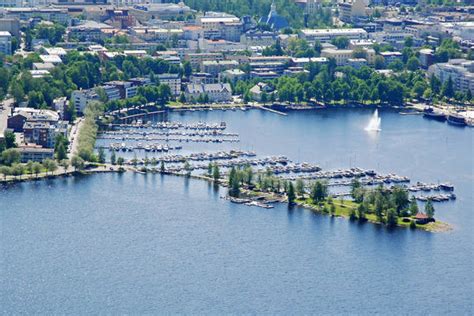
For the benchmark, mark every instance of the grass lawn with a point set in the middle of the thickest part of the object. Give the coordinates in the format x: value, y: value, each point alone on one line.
x: 344, y: 210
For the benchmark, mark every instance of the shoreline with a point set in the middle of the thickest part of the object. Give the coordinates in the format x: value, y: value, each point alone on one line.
x: 433, y: 227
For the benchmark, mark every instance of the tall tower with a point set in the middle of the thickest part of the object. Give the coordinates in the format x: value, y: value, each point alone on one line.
x: 273, y: 7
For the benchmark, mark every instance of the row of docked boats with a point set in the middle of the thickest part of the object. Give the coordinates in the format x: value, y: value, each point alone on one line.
x: 248, y: 202
x: 437, y: 197
x: 420, y: 186
x: 204, y: 156
x: 267, y: 164
x: 146, y: 147
x: 133, y: 133
x: 451, y: 118
x: 174, y: 125
x: 176, y: 139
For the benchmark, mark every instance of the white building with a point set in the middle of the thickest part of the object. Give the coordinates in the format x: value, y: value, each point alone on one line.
x: 341, y: 56
x: 216, y: 92
x: 10, y: 3
x: 327, y: 35
x: 221, y: 26
x: 55, y: 51
x: 51, y: 59
x: 173, y: 81
x: 352, y: 11
x: 215, y: 67
x: 5, y: 43
x: 81, y: 98
x: 461, y: 72
x: 60, y: 105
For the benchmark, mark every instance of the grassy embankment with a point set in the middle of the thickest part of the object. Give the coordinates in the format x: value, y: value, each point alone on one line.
x: 345, y: 208
x: 88, y: 132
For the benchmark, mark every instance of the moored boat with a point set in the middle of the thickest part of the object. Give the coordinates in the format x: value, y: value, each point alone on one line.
x: 456, y: 119
x: 435, y: 115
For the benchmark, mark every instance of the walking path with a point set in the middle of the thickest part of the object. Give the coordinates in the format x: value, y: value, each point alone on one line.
x: 74, y: 136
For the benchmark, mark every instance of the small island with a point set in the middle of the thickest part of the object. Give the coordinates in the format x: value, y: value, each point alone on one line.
x: 386, y: 206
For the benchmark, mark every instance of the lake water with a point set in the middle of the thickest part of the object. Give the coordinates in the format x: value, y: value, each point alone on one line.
x: 136, y: 243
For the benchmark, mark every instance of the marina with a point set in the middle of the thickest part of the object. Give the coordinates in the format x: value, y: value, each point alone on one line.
x: 139, y: 217
x: 197, y: 132
x: 141, y: 138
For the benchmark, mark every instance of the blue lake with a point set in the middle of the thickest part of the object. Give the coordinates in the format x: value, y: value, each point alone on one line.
x: 138, y: 244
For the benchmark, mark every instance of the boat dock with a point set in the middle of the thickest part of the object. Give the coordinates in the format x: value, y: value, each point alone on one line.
x: 261, y: 107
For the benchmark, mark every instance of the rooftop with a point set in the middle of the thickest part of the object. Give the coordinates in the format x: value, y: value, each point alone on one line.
x: 333, y: 31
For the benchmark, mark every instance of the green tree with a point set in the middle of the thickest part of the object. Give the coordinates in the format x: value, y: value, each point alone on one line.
x: 392, y: 217
x: 187, y: 69
x: 61, y: 153
x: 379, y: 62
x: 162, y: 167
x: 233, y: 182
x: 247, y: 176
x: 78, y: 163
x: 379, y: 207
x: 341, y: 42
x: 357, y: 191
x: 18, y: 170
x: 396, y: 65
x: 300, y: 187
x: 209, y: 169
x: 215, y: 173
x: 6, y: 171
x: 29, y: 167
x: 120, y: 161
x: 37, y: 167
x: 447, y: 89
x: 400, y: 198
x: 361, y: 211
x: 64, y: 163
x: 113, y: 158
x: 413, y: 206
x: 187, y: 168
x: 413, y: 63
x: 182, y: 98
x: 10, y: 156
x: 10, y: 140
x: 291, y: 193
x: 429, y: 209
x: 16, y: 90
x: 101, y: 155
x: 319, y: 191
x: 50, y: 165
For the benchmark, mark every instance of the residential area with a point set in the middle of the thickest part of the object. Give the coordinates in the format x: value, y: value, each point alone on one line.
x: 59, y: 57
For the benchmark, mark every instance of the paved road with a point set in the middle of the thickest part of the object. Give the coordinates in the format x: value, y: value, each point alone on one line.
x: 73, y: 137
x: 5, y: 109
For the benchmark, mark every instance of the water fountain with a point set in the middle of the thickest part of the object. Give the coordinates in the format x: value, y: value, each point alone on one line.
x: 374, y: 123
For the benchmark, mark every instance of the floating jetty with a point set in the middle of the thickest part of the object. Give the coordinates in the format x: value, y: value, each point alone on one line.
x: 249, y: 202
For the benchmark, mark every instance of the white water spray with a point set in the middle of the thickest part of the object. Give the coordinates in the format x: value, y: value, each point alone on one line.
x: 374, y: 123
